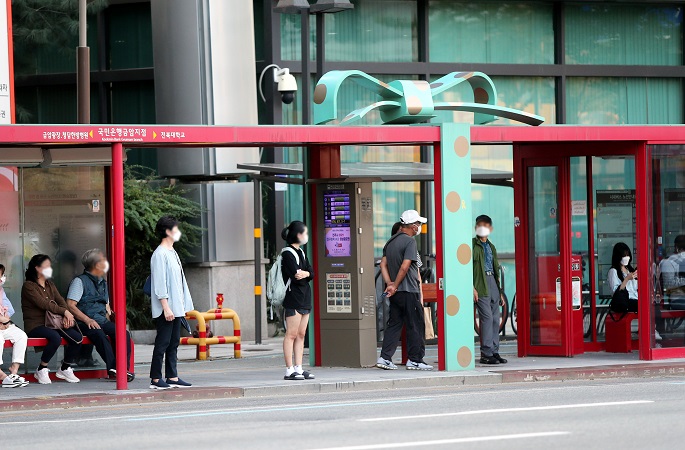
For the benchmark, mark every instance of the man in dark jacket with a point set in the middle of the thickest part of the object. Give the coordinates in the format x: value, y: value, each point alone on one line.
x: 88, y: 301
x: 487, y: 291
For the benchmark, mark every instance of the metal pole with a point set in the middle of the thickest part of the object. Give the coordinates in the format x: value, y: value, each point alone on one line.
x: 258, y: 260
x: 119, y: 262
x: 320, y: 45
x: 83, y: 66
x: 306, y: 69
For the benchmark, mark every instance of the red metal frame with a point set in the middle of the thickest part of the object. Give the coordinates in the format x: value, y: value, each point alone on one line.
x: 643, y: 184
x: 119, y: 260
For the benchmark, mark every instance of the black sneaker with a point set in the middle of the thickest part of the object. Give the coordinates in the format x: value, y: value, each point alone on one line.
x: 112, y: 375
x: 178, y: 383
x: 159, y: 385
x: 489, y: 360
x: 499, y: 358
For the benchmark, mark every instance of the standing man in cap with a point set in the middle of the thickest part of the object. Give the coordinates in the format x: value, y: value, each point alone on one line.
x: 487, y: 291
x: 400, y: 271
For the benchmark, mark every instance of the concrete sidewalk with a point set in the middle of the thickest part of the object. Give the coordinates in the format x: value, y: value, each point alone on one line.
x: 260, y: 373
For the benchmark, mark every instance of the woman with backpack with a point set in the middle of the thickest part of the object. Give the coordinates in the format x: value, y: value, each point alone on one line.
x: 297, y: 273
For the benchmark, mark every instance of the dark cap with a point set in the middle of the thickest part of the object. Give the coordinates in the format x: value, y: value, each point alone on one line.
x: 484, y: 218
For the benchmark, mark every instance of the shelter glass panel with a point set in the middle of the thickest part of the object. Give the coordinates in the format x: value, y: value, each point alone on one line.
x: 668, y: 205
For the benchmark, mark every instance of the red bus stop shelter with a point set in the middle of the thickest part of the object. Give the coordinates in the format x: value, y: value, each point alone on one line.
x: 549, y: 146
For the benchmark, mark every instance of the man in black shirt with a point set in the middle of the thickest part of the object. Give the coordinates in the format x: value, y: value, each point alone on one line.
x: 400, y: 273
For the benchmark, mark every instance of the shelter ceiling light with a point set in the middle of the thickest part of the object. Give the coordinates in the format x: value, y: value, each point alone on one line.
x: 291, y: 6
x: 331, y: 6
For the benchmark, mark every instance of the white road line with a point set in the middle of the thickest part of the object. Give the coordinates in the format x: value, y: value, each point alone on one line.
x: 224, y: 411
x: 505, y: 410
x: 423, y: 444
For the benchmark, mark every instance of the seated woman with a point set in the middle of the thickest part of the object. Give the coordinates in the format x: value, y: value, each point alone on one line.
x: 623, y: 275
x: 39, y: 295
x: 10, y: 332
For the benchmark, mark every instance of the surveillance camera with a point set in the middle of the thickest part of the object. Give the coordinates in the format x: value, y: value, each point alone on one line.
x: 287, y: 85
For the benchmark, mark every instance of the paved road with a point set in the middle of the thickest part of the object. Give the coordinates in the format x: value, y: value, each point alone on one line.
x: 626, y: 414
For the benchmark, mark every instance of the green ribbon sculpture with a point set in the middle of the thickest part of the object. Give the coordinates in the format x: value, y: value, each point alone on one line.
x: 411, y: 101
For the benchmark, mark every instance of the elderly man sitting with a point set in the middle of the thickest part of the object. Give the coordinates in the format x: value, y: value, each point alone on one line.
x: 88, y: 301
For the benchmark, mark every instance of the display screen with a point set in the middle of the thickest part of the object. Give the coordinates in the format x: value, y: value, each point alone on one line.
x: 337, y: 221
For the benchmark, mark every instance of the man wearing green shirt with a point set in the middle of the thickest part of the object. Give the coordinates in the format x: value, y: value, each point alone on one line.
x: 487, y: 291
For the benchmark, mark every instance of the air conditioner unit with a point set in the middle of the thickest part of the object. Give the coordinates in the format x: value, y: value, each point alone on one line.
x: 77, y: 156
x: 21, y: 156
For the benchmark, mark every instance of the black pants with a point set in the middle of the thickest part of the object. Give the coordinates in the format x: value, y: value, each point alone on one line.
x: 54, y: 337
x: 405, y: 309
x: 107, y: 347
x: 166, y: 344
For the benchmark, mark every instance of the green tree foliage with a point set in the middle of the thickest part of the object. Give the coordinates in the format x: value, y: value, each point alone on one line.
x: 146, y: 199
x: 45, y: 25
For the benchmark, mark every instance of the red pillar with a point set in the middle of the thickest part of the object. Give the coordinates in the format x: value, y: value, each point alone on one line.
x: 118, y: 282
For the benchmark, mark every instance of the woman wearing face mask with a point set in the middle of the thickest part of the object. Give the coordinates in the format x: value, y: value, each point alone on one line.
x: 170, y: 301
x: 622, y: 275
x: 39, y: 295
x: 298, y: 298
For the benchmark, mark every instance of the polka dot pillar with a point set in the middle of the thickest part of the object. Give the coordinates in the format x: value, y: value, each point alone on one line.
x: 457, y: 233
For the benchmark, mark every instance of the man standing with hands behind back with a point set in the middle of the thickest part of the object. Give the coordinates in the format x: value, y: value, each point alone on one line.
x: 401, y: 275
x: 487, y: 291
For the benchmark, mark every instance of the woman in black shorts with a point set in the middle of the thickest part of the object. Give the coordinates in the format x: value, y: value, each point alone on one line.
x: 298, y: 298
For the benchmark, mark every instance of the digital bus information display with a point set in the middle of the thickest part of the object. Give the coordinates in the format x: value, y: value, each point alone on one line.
x: 337, y: 220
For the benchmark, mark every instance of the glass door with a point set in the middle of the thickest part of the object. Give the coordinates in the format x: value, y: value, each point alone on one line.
x: 546, y: 246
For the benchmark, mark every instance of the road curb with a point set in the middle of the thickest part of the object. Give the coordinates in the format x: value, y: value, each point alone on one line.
x: 125, y: 397
x: 370, y: 385
x: 594, y: 373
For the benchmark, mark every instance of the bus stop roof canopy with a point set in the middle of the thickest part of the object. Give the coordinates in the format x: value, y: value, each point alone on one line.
x: 402, y: 171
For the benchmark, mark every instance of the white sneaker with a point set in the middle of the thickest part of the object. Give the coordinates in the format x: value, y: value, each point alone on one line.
x: 411, y: 365
x: 13, y: 381
x: 657, y: 336
x: 383, y: 363
x: 43, y: 376
x: 67, y: 375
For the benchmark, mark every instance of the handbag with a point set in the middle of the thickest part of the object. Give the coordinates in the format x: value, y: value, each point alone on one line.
x: 54, y: 322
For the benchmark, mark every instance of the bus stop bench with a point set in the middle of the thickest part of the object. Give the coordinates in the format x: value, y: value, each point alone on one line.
x: 618, y: 335
x: 82, y: 373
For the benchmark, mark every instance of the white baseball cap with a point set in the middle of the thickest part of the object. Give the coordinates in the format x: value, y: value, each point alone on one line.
x: 412, y: 216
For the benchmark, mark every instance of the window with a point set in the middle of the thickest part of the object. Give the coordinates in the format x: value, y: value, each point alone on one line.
x: 491, y: 32
x: 624, y: 34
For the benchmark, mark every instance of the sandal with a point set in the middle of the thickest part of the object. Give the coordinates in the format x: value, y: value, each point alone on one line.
x: 307, y: 375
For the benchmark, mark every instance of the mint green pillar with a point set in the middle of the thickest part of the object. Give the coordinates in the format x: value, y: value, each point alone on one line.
x: 457, y: 232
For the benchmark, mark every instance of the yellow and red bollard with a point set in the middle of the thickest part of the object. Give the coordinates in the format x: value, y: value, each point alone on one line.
x: 203, y: 340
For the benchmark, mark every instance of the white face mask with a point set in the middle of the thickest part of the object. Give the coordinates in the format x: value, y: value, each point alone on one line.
x: 176, y: 236
x: 304, y: 239
x: 106, y: 267
x: 47, y: 273
x: 418, y: 230
x: 483, y: 231
x: 3, y: 279
x: 625, y: 260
